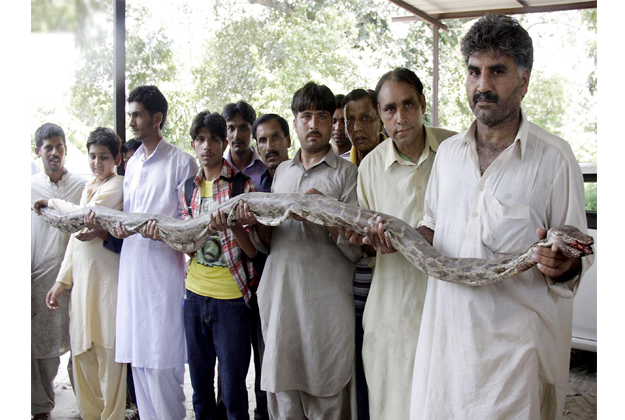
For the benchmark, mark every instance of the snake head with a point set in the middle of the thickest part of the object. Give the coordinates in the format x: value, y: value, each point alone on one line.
x: 571, y: 241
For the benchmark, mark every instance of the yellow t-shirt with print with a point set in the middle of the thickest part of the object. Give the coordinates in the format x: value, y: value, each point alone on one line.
x: 208, y: 273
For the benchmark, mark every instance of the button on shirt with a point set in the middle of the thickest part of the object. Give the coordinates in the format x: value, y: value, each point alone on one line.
x: 509, y: 341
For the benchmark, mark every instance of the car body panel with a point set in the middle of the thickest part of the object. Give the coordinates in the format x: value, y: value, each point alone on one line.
x: 584, y: 334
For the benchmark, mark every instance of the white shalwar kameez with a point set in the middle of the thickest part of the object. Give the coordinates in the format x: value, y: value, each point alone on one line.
x: 499, y: 351
x: 149, y: 330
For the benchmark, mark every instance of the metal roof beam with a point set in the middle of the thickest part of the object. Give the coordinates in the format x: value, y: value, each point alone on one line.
x: 420, y: 14
x: 517, y: 10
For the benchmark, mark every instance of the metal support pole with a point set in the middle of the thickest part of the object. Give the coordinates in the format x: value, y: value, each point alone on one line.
x: 435, y: 77
x: 119, y: 94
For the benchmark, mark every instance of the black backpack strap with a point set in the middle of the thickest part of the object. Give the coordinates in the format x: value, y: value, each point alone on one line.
x: 238, y: 183
x: 189, y: 186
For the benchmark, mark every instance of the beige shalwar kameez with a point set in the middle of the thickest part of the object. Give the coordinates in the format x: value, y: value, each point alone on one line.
x: 393, y: 185
x: 91, y: 270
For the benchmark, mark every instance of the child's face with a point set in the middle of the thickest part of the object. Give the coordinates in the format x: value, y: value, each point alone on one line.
x: 101, y: 161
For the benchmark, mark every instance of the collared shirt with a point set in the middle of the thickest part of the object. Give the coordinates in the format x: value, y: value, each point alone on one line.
x: 352, y: 155
x: 150, y: 329
x: 254, y: 170
x: 222, y: 191
x: 305, y: 295
x: 266, y: 180
x: 510, y: 340
x: 393, y: 185
x: 49, y: 329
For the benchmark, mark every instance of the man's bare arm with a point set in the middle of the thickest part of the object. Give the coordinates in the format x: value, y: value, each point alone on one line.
x: 427, y: 233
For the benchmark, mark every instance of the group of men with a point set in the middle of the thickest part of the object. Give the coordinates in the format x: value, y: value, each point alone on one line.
x: 419, y: 348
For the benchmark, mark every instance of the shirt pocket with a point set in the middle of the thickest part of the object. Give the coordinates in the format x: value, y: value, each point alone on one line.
x: 505, y: 227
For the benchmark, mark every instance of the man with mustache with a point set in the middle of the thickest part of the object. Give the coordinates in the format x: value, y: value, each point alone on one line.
x: 241, y: 154
x: 49, y: 329
x: 305, y: 294
x: 150, y: 327
x: 392, y: 179
x: 340, y: 142
x: 500, y: 351
x: 271, y: 133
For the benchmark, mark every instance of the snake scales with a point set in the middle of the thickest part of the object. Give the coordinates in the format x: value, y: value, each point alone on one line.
x: 273, y: 209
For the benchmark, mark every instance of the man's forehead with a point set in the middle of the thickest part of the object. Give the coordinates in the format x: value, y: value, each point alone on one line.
x: 54, y: 140
x: 269, y: 127
x: 404, y: 91
x: 314, y: 112
x: 135, y: 106
x: 490, y: 57
x: 237, y: 119
x: 362, y: 106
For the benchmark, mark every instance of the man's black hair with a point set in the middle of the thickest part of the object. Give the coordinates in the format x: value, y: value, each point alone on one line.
x: 500, y: 34
x: 246, y: 110
x: 105, y: 137
x: 339, y: 100
x: 152, y: 99
x: 47, y: 131
x: 313, y: 97
x: 268, y: 117
x: 130, y: 146
x: 400, y: 75
x: 215, y: 123
x: 357, y: 94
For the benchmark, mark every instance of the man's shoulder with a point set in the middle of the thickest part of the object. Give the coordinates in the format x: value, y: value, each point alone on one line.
x: 178, y: 152
x: 451, y: 139
x: 540, y: 134
x: 442, y: 133
x: 283, y: 166
x: 74, y: 179
x: 115, y: 182
x: 439, y: 136
x: 345, y: 165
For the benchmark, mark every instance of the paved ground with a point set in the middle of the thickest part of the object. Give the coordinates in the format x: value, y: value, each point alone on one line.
x: 581, y: 400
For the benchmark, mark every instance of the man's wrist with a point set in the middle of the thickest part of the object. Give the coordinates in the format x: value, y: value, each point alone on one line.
x: 574, y: 271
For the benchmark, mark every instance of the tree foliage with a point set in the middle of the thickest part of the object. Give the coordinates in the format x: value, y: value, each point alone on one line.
x: 203, y: 55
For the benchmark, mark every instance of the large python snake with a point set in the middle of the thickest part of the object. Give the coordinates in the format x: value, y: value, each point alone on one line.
x: 273, y: 209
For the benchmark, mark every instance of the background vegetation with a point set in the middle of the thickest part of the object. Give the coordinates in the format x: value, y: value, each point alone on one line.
x: 204, y: 54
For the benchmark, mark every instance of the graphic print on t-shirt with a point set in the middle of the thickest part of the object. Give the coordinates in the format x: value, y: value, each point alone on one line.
x: 211, y: 255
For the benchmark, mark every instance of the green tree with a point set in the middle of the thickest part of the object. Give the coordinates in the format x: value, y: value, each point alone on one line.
x: 203, y: 55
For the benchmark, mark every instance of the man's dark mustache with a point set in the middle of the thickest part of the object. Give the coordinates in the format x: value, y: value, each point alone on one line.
x: 314, y: 132
x: 271, y: 152
x: 485, y: 96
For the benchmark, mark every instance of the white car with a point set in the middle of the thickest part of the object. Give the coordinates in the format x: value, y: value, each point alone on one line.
x: 584, y: 336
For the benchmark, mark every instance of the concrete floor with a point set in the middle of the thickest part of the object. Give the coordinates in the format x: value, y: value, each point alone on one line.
x: 581, y: 400
x: 66, y: 408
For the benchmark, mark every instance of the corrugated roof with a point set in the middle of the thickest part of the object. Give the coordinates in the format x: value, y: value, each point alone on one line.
x: 434, y: 11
